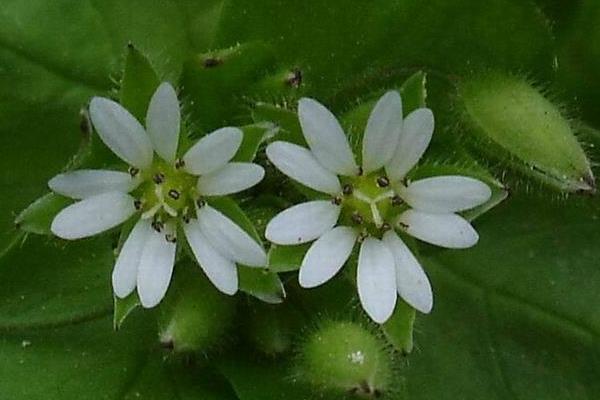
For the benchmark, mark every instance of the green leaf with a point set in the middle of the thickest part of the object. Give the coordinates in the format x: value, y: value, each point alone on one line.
x: 284, y: 119
x: 138, y: 84
x: 38, y: 217
x: 262, y: 284
x: 49, y: 282
x: 286, y: 258
x: 513, y: 317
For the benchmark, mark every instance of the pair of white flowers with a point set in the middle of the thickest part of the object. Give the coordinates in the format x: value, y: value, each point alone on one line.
x: 174, y: 192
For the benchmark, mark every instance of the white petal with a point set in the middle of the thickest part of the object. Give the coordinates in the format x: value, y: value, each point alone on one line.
x: 376, y: 280
x: 213, y: 151
x: 382, y: 132
x: 163, y: 121
x: 326, y: 138
x: 446, y: 194
x: 121, y: 132
x: 124, y: 276
x: 229, y: 239
x: 89, y: 182
x: 445, y: 230
x: 303, y: 222
x: 219, y: 270
x: 232, y: 178
x: 301, y: 165
x: 326, y: 256
x: 417, y: 130
x: 413, y: 285
x: 155, y: 269
x: 93, y: 215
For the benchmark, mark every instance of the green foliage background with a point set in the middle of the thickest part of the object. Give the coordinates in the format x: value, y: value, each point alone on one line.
x: 515, y: 317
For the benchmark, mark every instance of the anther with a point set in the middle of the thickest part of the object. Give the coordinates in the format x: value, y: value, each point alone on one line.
x: 174, y: 194
x: 403, y: 225
x: 347, y: 190
x: 171, y: 238
x: 337, y: 200
x: 186, y: 218
x: 294, y: 78
x: 158, y: 178
x: 133, y: 171
x: 385, y: 227
x: 137, y: 203
x: 157, y: 225
x: 362, y: 236
x: 397, y: 200
x: 357, y: 218
x: 211, y: 62
x: 179, y: 163
x: 383, y: 181
x: 201, y: 203
x: 360, y: 171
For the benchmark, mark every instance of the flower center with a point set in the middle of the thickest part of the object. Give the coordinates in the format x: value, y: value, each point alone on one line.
x: 369, y: 203
x: 167, y: 192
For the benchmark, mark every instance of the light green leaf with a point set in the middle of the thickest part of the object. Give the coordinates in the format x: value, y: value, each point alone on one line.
x: 38, y: 217
x: 262, y: 284
x: 286, y: 258
x: 138, y: 84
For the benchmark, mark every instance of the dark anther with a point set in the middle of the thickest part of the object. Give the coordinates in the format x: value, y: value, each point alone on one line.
x: 137, y: 203
x: 347, y: 190
x: 174, y: 194
x: 179, y: 163
x: 383, y: 181
x: 201, y: 203
x: 336, y: 200
x: 360, y: 171
x: 186, y: 218
x: 171, y: 238
x: 385, y: 227
x: 294, y: 78
x: 157, y: 225
x: 158, y: 178
x: 397, y: 200
x: 403, y: 225
x: 133, y: 171
x: 357, y: 218
x: 211, y: 62
x: 362, y: 236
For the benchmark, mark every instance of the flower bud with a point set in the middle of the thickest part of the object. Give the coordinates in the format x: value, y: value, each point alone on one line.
x: 193, y: 316
x: 346, y: 357
x: 512, y: 121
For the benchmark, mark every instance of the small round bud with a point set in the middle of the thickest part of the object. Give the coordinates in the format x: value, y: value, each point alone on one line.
x: 348, y: 358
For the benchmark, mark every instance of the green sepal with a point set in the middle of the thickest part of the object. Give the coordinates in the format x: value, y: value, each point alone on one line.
x: 285, y: 120
x: 398, y: 330
x: 254, y: 136
x: 139, y: 83
x: 37, y: 217
x: 286, y: 258
x: 123, y: 308
x: 262, y: 284
x: 511, y: 121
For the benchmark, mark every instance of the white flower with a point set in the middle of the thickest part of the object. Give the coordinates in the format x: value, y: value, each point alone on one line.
x: 367, y: 204
x: 164, y: 191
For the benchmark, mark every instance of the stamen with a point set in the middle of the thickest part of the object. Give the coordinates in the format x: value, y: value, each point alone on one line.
x: 386, y: 227
x: 397, y: 200
x: 403, y: 225
x: 174, y: 194
x: 357, y: 218
x: 137, y: 203
x: 171, y: 238
x: 347, y: 190
x: 337, y: 200
x: 362, y: 236
x: 157, y: 225
x: 179, y: 163
x: 360, y: 171
x: 383, y: 181
x: 158, y: 178
x: 133, y: 171
x: 200, y: 203
x: 151, y: 212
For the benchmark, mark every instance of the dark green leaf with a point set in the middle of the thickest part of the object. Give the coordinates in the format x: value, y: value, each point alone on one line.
x: 38, y: 217
x: 286, y: 258
x: 262, y: 284
x: 138, y: 84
